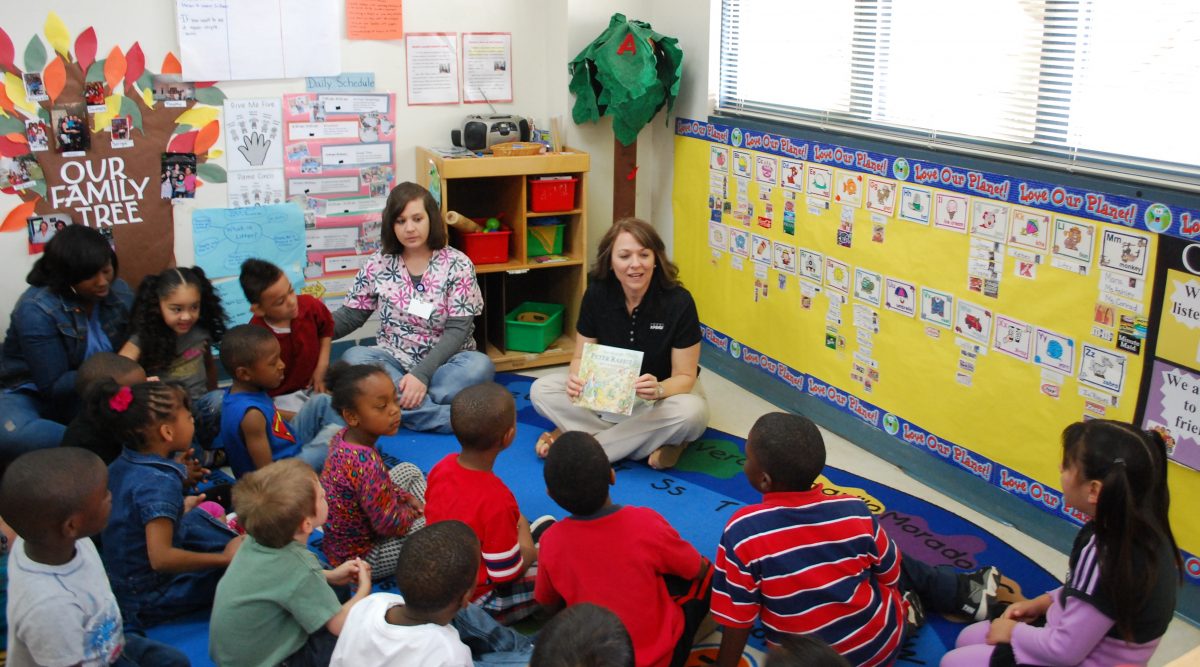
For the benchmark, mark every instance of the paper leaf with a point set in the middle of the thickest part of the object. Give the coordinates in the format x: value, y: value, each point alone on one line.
x: 9, y: 124
x: 211, y: 96
x: 55, y: 78
x: 44, y: 114
x: 135, y: 64
x: 148, y: 97
x: 10, y: 148
x: 211, y: 173
x: 198, y: 116
x: 6, y: 51
x: 15, y: 220
x: 39, y: 186
x: 180, y: 129
x: 85, y: 48
x: 6, y: 103
x: 114, y: 68
x: 204, y: 84
x: 207, y: 136
x: 15, y: 88
x: 130, y: 108
x: 171, y: 64
x: 214, y: 154
x: 17, y: 136
x: 35, y: 55
x: 95, y: 72
x: 183, y: 143
x: 58, y: 35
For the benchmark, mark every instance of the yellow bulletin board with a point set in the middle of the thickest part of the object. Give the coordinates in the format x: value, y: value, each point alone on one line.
x: 972, y: 315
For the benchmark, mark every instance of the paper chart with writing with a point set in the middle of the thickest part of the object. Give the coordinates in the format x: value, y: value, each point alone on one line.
x: 487, y: 67
x: 339, y: 161
x: 432, y: 60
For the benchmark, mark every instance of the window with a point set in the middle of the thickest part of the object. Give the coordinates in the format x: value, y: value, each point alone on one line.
x: 1103, y: 86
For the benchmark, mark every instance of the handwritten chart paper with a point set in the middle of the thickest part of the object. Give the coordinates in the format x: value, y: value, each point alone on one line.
x: 224, y: 238
x: 225, y: 40
x: 374, y: 19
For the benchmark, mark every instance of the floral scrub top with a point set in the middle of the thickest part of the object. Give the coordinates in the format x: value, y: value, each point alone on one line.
x: 412, y: 318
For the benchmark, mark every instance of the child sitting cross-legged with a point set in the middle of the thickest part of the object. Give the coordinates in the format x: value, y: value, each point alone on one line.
x: 253, y: 431
x: 164, y: 555
x: 463, y: 487
x: 627, y: 559
x: 275, y: 603
x: 436, y: 577
x: 61, y: 610
x: 83, y: 431
x: 371, y: 509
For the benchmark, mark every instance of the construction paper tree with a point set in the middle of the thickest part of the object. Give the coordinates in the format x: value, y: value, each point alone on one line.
x: 80, y: 186
x: 629, y: 72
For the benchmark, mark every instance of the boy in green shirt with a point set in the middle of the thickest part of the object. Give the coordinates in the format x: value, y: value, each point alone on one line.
x: 275, y: 603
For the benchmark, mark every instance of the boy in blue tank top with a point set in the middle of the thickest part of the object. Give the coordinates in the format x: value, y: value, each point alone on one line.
x: 255, y: 433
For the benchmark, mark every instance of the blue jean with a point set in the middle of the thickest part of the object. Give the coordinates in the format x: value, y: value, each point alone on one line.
x: 490, y: 642
x: 314, y: 426
x: 206, y: 410
x: 936, y: 586
x: 22, y: 426
x: 464, y: 369
x: 143, y: 652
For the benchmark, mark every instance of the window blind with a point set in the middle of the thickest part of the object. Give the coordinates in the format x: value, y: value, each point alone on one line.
x: 1106, y: 87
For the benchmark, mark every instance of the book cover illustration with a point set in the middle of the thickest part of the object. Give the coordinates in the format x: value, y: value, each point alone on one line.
x: 608, y: 375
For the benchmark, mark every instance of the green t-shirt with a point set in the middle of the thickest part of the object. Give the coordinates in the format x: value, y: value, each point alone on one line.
x: 267, y: 604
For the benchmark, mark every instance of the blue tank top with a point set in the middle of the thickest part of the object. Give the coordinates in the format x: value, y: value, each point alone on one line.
x: 233, y: 410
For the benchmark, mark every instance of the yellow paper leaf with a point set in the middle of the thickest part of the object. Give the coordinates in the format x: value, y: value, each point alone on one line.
x: 102, y: 121
x: 148, y: 97
x: 215, y: 153
x: 15, y: 89
x: 57, y: 34
x: 198, y: 116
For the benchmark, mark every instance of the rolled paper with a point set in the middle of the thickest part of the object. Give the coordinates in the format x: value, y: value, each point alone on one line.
x: 462, y: 223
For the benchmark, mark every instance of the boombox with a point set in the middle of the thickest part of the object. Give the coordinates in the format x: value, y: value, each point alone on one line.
x: 480, y: 132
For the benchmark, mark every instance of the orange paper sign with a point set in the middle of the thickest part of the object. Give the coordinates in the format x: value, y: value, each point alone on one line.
x: 374, y: 19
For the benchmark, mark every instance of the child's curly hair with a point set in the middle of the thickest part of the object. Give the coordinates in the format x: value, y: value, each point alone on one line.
x: 156, y: 340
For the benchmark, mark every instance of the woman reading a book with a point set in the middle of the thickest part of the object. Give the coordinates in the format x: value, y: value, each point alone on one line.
x: 634, y: 302
x: 427, y: 298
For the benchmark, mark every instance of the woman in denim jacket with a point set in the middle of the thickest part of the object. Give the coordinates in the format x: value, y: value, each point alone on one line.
x: 75, y: 306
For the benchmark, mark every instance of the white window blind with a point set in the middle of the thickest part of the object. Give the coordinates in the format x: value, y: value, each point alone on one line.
x: 1099, y: 86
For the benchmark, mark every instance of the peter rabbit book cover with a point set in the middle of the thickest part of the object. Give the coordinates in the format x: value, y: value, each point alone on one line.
x: 608, y: 375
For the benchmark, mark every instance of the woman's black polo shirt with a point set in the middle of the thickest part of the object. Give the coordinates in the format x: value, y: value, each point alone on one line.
x: 665, y: 319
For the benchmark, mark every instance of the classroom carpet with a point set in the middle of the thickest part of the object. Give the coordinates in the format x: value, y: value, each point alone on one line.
x: 698, y: 497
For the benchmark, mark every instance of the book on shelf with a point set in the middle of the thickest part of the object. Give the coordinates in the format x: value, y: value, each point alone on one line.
x: 608, y: 375
x: 550, y: 259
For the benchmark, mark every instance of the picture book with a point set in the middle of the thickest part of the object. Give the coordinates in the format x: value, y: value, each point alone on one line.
x: 608, y: 375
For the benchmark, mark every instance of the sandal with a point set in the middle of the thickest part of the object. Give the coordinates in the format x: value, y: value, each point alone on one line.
x: 542, y: 447
x: 666, y: 457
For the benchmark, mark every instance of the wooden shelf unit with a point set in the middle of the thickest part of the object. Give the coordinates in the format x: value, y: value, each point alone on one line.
x: 499, y: 187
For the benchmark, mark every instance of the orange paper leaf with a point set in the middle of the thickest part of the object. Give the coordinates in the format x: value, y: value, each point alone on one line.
x: 55, y: 77
x: 171, y: 64
x: 6, y: 103
x: 17, y: 137
x: 114, y: 68
x: 206, y: 137
x: 15, y: 220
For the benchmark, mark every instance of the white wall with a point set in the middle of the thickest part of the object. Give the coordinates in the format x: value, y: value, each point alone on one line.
x: 546, y: 35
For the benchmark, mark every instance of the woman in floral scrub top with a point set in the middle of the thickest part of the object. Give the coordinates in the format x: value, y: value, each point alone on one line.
x: 427, y: 298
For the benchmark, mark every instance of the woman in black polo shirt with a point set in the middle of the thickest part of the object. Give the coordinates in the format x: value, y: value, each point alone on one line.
x: 634, y: 301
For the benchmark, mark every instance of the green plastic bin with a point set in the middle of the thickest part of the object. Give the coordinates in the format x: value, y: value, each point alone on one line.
x: 533, y: 336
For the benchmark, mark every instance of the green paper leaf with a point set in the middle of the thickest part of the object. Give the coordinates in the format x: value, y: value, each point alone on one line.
x: 210, y: 173
x: 44, y: 114
x: 9, y: 124
x: 95, y: 72
x: 35, y: 55
x: 181, y: 128
x: 39, y: 187
x: 211, y: 96
x: 130, y: 108
x: 145, y: 81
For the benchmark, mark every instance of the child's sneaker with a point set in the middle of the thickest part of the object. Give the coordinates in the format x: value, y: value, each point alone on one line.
x: 231, y: 520
x: 539, y: 526
x: 977, y: 592
x: 916, y: 613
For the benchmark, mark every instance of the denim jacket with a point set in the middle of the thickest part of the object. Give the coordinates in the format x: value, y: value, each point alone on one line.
x: 144, y: 487
x: 47, y: 337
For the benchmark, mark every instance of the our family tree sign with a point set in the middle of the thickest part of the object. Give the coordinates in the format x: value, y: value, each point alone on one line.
x: 85, y: 137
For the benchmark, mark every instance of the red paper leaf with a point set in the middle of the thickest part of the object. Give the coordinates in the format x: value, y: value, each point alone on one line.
x: 171, y: 64
x: 207, y: 136
x: 6, y: 51
x: 135, y: 64
x: 15, y: 220
x: 10, y: 148
x: 114, y: 68
x: 85, y: 48
x: 55, y: 77
x: 183, y: 143
x: 204, y: 84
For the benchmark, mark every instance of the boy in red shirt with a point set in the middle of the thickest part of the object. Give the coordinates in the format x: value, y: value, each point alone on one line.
x: 463, y: 487
x: 301, y: 323
x: 627, y: 559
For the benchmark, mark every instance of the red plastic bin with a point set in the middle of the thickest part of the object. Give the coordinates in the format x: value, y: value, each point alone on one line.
x: 547, y: 194
x: 485, y: 247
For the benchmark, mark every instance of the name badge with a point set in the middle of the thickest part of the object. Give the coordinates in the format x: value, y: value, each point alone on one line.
x: 421, y: 309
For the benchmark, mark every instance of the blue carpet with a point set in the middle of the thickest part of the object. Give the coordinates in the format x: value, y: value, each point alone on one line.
x: 698, y: 497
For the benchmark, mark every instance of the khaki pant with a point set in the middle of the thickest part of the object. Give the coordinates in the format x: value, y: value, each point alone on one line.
x: 669, y: 421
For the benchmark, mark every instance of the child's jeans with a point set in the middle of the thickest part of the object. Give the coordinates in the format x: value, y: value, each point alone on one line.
x: 490, y: 642
x: 206, y: 410
x: 314, y: 426
x: 142, y: 652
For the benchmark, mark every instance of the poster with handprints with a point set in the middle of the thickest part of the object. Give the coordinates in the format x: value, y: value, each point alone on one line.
x: 739, y: 242
x: 937, y: 307
x: 741, y: 164
x: 718, y: 158
x: 810, y: 264
x: 837, y: 275
x: 868, y: 286
x: 1074, y: 241
x: 881, y: 196
x: 766, y: 169
x: 989, y: 220
x: 1013, y: 337
x: 760, y: 249
x: 972, y: 321
x: 1124, y: 252
x: 849, y: 188
x: 1054, y: 351
x: 900, y: 297
x: 253, y: 134
x: 791, y: 175
x: 783, y: 258
x: 950, y: 212
x: 915, y: 204
x: 820, y: 182
x: 1102, y: 369
x: 1030, y: 229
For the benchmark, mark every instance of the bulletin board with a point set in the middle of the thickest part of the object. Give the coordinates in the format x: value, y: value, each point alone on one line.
x: 970, y: 315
